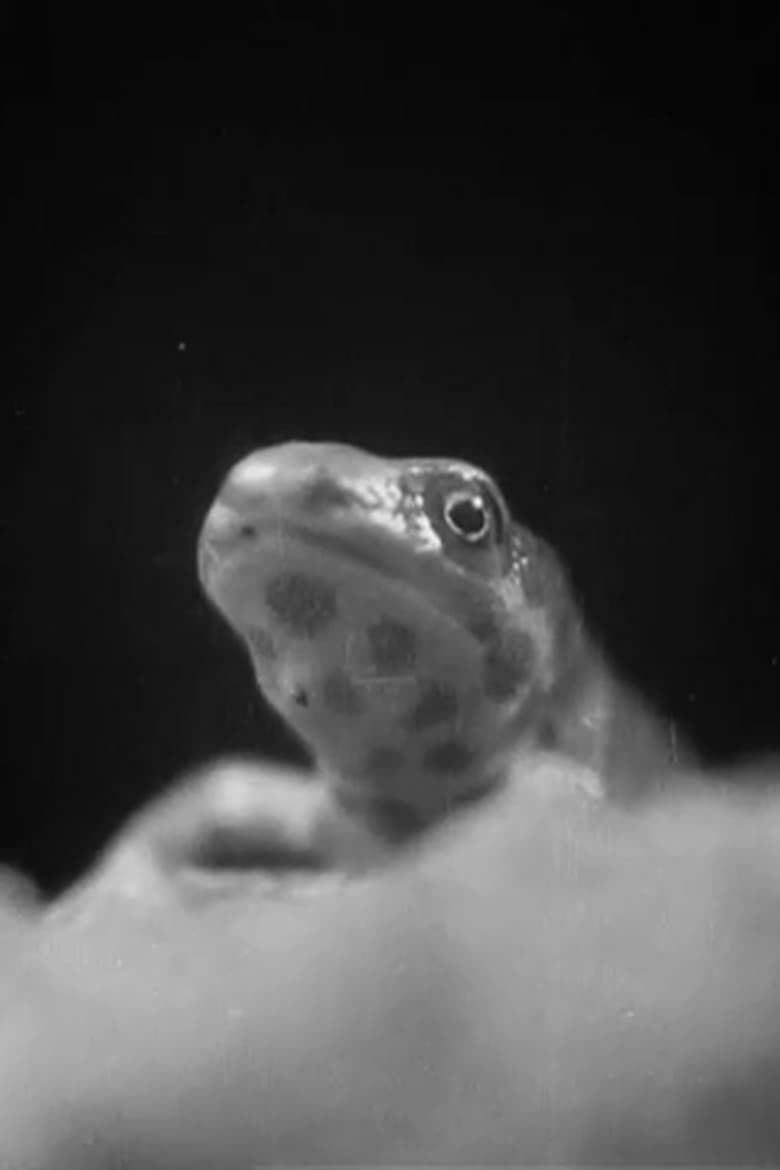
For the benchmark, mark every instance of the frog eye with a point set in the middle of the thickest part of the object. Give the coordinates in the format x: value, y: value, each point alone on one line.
x: 471, y: 516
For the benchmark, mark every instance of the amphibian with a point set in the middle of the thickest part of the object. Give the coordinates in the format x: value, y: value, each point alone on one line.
x: 419, y: 639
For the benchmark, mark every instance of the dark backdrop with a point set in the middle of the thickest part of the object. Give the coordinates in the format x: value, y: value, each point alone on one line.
x: 234, y: 233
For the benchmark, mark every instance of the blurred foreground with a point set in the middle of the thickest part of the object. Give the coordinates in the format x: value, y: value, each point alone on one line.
x: 546, y: 981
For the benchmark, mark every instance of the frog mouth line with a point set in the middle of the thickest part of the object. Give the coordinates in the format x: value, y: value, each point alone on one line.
x: 339, y: 546
x: 277, y: 531
x: 449, y: 595
x: 424, y: 577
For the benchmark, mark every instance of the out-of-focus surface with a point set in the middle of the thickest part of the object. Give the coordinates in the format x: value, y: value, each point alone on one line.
x: 550, y: 982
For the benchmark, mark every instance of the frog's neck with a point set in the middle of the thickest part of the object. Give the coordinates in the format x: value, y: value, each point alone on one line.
x: 598, y: 720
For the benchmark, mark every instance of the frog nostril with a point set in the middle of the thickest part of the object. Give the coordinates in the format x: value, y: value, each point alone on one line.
x: 220, y: 526
x: 225, y: 528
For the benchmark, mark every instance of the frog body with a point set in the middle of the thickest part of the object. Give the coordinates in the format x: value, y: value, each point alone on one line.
x: 415, y: 636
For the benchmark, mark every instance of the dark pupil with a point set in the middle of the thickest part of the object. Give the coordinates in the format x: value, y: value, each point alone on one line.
x: 467, y: 516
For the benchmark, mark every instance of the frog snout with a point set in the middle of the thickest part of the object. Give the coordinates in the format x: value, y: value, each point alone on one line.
x: 223, y: 531
x: 229, y: 536
x: 248, y: 501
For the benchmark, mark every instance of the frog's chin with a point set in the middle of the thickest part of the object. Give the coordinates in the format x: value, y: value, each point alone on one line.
x: 397, y: 817
x: 394, y: 818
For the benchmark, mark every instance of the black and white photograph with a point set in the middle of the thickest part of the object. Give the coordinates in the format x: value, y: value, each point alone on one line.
x: 392, y: 639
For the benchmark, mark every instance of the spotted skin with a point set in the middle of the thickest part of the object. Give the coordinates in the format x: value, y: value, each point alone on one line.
x: 437, y: 704
x: 417, y: 638
x: 302, y: 605
x: 343, y: 697
x: 508, y: 665
x: 393, y: 648
x: 449, y: 758
x: 262, y: 643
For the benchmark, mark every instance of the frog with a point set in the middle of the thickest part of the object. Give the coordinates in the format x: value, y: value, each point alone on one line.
x: 419, y: 639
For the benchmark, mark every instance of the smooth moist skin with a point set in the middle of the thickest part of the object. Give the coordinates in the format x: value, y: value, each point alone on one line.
x: 415, y: 636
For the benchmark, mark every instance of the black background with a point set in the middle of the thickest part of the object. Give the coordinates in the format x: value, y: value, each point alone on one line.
x: 544, y: 248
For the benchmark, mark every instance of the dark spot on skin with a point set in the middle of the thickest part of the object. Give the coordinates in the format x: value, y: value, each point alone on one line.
x: 484, y: 627
x: 436, y: 704
x: 261, y: 643
x: 395, y: 821
x: 300, y: 696
x: 451, y: 756
x: 392, y: 647
x: 304, y: 605
x: 508, y: 665
x: 382, y: 763
x: 547, y: 735
x: 340, y: 695
x: 324, y: 495
x: 477, y: 612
